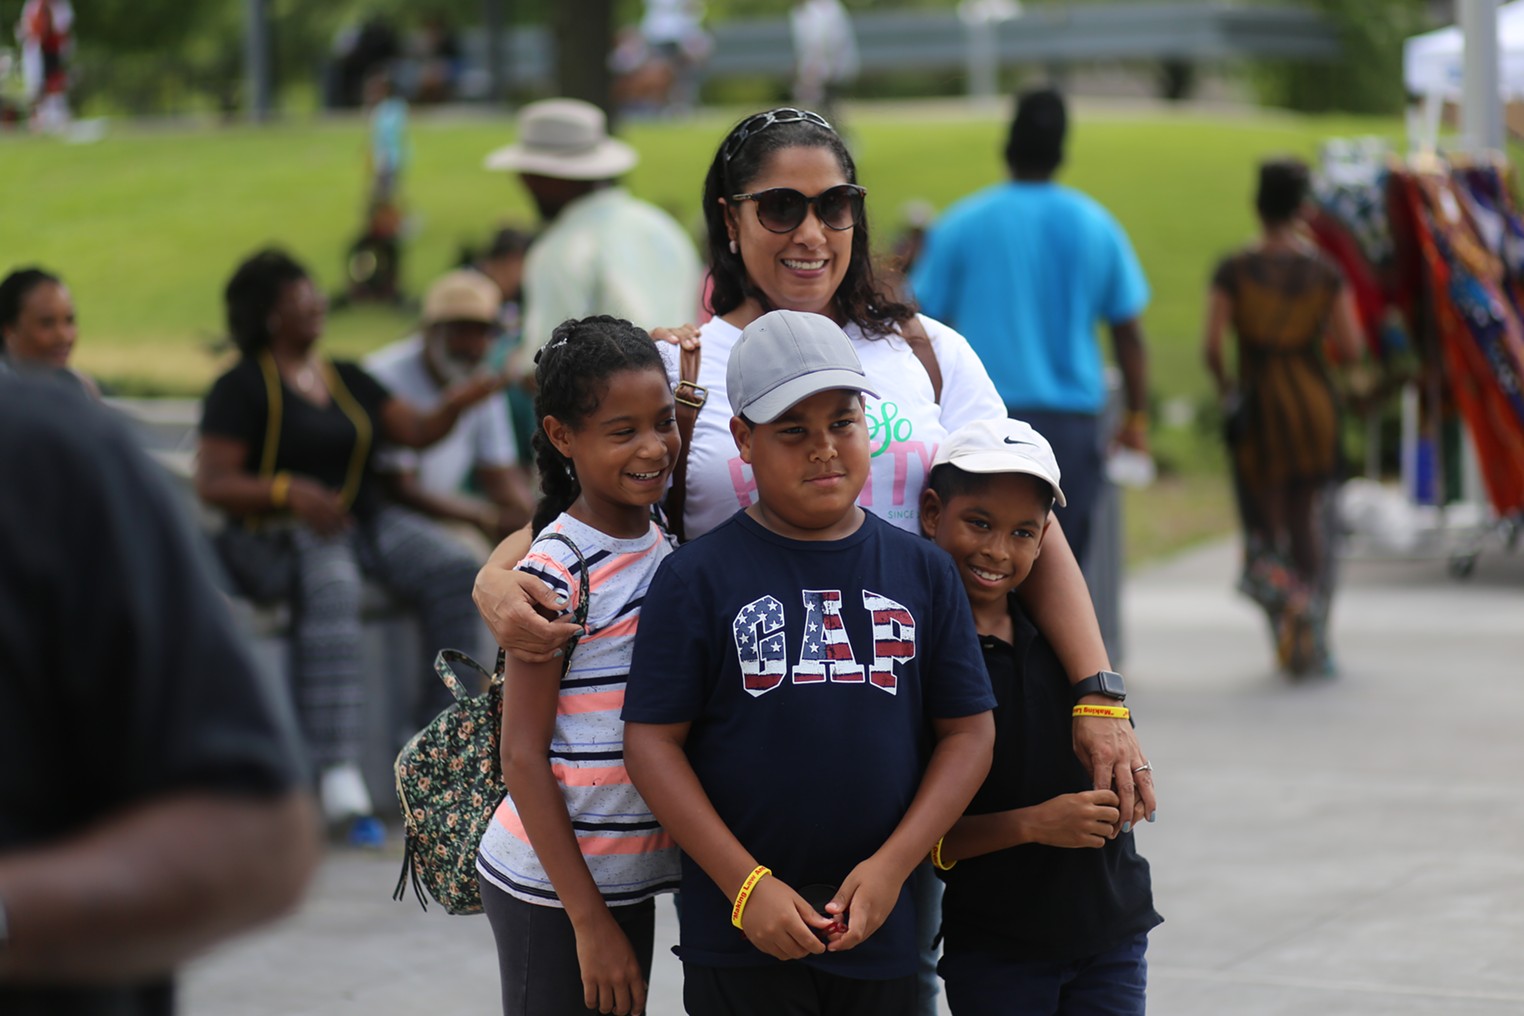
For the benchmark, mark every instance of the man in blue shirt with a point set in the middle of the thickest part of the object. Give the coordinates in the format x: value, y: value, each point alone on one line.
x: 1025, y: 269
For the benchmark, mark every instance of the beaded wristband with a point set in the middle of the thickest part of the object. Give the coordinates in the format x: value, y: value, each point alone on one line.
x: 936, y: 857
x: 1106, y: 712
x: 757, y: 874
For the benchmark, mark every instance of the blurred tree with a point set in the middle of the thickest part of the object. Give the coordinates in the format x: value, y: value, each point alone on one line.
x: 584, y: 34
x: 1369, y: 77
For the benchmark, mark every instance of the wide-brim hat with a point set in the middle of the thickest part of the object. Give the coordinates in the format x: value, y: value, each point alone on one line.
x: 567, y: 139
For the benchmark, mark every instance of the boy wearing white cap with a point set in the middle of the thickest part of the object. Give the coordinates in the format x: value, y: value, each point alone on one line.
x: 1049, y: 906
x: 806, y: 709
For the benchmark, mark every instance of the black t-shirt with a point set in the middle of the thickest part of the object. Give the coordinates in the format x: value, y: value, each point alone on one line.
x: 122, y: 676
x: 1036, y: 902
x: 315, y: 442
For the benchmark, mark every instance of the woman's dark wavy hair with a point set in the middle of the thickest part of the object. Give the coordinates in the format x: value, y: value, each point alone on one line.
x: 1283, y: 186
x: 860, y: 299
x: 571, y: 373
x: 251, y: 295
x: 16, y: 287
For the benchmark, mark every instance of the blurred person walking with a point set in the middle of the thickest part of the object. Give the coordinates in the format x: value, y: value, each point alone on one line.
x: 38, y: 327
x: 825, y: 53
x: 602, y: 250
x: 479, y: 454
x: 46, y: 34
x: 152, y: 798
x: 288, y: 439
x: 1027, y: 269
x: 674, y: 31
x: 1291, y: 313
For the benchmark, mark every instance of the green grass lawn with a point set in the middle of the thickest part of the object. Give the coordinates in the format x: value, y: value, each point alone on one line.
x: 147, y: 223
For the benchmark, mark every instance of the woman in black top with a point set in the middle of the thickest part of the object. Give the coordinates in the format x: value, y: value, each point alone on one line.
x: 287, y: 438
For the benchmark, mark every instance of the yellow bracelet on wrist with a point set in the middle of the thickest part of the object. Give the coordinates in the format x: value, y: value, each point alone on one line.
x: 936, y: 857
x: 757, y: 874
x: 1104, y: 712
x: 280, y: 489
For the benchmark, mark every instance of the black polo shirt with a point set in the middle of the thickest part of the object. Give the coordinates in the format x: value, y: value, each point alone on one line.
x: 1036, y: 902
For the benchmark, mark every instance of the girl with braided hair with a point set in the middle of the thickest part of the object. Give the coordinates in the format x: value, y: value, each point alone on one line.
x: 573, y: 858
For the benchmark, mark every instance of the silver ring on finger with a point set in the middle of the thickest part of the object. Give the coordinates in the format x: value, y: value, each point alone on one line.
x: 1146, y: 767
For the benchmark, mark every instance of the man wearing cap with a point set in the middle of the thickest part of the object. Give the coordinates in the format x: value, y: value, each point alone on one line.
x: 1026, y: 269
x: 602, y: 250
x: 459, y: 317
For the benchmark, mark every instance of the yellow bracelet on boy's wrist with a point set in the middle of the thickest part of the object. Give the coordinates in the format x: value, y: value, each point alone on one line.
x: 280, y: 489
x: 1103, y: 712
x: 739, y: 907
x: 936, y: 857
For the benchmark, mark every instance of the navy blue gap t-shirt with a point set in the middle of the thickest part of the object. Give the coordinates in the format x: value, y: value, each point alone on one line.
x: 810, y: 672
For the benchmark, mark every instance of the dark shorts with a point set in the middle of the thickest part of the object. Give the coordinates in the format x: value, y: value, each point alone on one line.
x: 1112, y: 983
x: 792, y: 989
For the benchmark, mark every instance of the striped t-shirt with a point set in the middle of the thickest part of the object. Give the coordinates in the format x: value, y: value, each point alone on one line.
x: 628, y: 854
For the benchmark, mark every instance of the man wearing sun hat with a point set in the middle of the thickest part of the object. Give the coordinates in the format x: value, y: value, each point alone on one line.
x: 459, y: 318
x: 602, y: 250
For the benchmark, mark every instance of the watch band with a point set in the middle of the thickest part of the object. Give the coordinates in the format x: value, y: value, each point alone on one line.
x: 1106, y: 682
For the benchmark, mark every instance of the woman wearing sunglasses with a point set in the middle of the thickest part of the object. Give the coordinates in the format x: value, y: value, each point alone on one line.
x: 787, y: 230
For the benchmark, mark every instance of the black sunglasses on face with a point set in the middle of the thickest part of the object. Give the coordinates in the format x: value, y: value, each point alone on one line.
x: 782, y: 209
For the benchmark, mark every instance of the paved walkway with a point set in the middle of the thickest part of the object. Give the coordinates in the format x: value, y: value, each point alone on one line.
x: 1344, y: 847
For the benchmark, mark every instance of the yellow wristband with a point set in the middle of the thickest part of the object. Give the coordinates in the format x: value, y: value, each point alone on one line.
x: 757, y: 874
x: 1136, y: 419
x: 1105, y: 712
x: 936, y: 857
x: 280, y: 489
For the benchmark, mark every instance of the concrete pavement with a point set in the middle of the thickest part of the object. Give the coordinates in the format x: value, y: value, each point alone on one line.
x: 1339, y: 847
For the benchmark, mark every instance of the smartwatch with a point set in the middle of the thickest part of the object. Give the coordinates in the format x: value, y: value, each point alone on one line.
x: 1106, y: 682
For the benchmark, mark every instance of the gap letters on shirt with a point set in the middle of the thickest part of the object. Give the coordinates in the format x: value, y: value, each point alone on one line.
x: 761, y: 630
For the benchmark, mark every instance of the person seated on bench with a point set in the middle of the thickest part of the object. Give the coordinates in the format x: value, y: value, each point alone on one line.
x: 471, y: 482
x: 287, y: 441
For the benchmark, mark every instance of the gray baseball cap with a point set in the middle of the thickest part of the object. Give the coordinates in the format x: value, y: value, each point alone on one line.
x: 783, y: 358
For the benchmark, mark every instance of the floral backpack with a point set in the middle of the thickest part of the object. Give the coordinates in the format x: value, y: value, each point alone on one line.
x: 450, y: 776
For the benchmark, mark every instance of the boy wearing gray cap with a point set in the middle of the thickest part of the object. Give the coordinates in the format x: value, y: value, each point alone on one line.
x: 1048, y: 905
x: 806, y: 710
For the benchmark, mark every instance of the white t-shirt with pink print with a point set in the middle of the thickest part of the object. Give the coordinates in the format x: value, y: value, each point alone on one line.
x: 905, y: 423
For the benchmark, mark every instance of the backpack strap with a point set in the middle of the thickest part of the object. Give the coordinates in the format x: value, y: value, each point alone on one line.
x: 913, y: 332
x: 579, y: 613
x: 690, y: 398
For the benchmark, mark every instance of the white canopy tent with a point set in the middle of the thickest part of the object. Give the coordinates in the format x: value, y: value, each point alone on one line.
x: 1433, y: 63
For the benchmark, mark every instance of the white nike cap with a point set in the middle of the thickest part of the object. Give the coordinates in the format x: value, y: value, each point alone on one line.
x: 1001, y: 446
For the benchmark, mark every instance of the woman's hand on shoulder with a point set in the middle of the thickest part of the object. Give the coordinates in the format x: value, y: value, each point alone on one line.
x: 319, y: 507
x: 527, y: 617
x: 684, y: 335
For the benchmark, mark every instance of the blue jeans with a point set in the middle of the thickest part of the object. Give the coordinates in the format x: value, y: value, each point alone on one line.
x: 1108, y: 984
